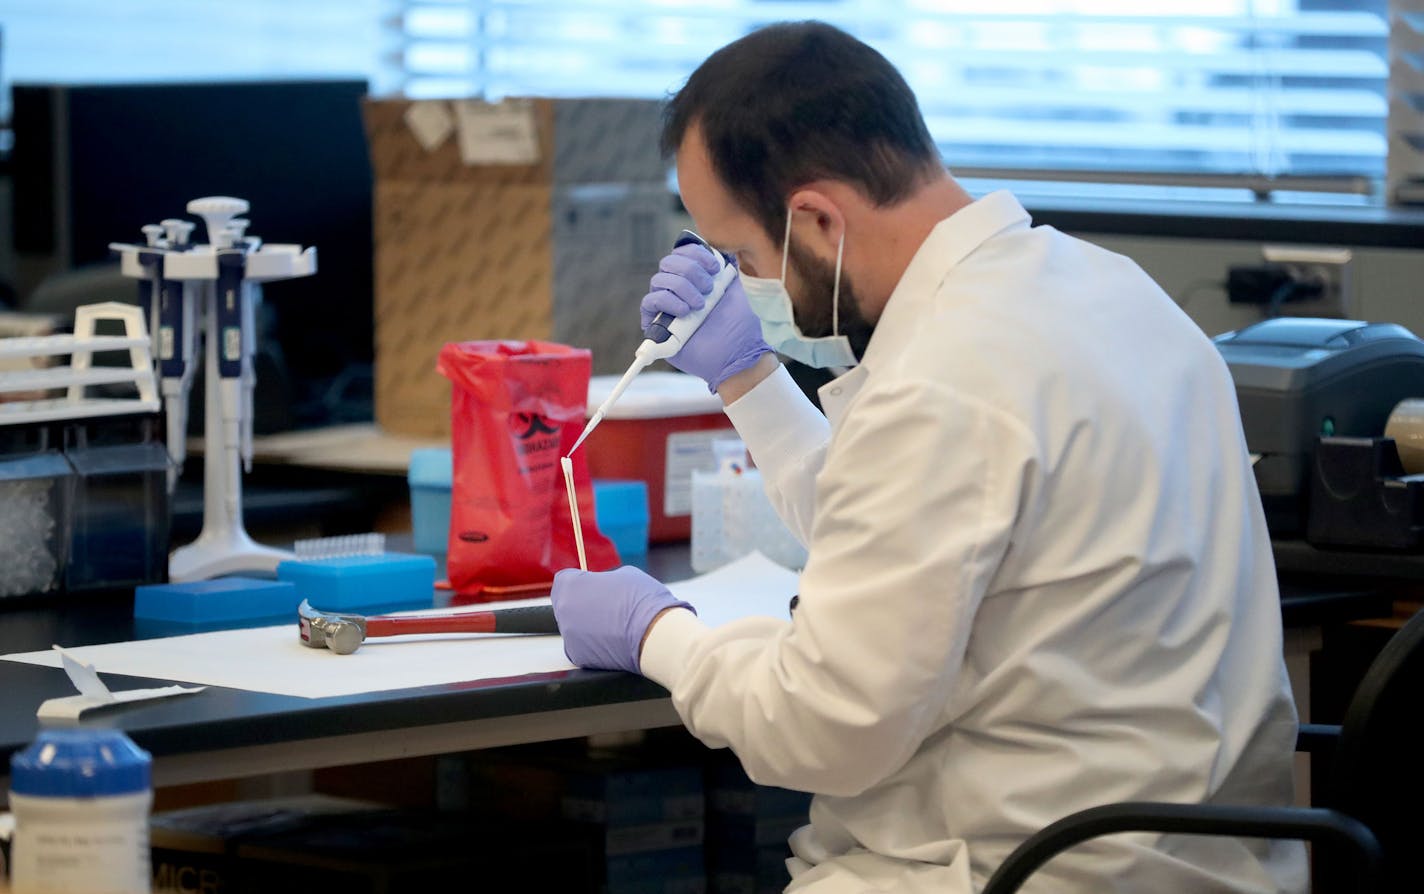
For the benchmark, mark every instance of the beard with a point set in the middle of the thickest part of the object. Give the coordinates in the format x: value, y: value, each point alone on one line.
x: 812, y: 308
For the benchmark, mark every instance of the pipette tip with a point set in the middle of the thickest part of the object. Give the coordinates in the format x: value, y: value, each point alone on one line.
x: 592, y: 424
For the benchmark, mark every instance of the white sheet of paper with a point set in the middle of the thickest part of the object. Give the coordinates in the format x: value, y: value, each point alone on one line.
x: 82, y: 675
x: 503, y: 133
x: 431, y: 123
x: 271, y: 659
x: 93, y: 693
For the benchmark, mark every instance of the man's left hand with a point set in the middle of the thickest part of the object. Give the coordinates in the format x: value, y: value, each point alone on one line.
x: 604, y: 615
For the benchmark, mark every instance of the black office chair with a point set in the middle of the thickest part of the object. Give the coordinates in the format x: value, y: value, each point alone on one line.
x: 1372, y: 804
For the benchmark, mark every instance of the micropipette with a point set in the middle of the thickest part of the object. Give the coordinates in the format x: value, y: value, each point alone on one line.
x: 666, y: 334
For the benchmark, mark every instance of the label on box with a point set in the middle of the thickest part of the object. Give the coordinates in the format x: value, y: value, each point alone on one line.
x: 652, y: 808
x: 497, y: 134
x: 688, y: 452
x: 430, y: 122
x: 760, y: 801
x: 619, y: 840
x: 192, y: 873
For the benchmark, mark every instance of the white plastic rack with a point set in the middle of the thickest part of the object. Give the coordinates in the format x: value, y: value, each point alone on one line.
x: 79, y: 373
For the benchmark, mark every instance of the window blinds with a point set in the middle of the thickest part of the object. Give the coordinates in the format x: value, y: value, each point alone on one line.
x: 1285, y: 91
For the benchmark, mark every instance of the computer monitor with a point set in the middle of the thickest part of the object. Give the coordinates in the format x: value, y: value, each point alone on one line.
x: 93, y: 163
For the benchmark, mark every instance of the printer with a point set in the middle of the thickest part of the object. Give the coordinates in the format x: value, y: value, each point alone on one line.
x: 1299, y: 379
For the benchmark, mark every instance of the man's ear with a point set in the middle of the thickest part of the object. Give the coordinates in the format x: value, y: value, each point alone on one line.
x: 819, y: 224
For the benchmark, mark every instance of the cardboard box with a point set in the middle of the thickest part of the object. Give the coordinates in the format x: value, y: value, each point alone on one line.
x: 748, y: 828
x: 766, y: 874
x: 194, y: 848
x: 638, y: 812
x: 317, y: 844
x: 731, y: 794
x: 621, y: 794
x: 559, y: 248
x: 404, y: 852
x: 638, y: 791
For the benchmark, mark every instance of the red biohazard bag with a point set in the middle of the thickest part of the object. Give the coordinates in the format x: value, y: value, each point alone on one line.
x: 516, y: 408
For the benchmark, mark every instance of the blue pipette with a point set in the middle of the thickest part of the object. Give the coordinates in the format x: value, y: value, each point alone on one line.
x: 666, y: 334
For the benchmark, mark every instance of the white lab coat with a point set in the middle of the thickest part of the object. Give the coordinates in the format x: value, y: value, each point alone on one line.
x: 1039, y: 581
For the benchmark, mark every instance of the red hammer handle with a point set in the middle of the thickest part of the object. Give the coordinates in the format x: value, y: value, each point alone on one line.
x: 531, y: 619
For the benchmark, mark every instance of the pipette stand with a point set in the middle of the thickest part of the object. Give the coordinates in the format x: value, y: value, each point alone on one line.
x: 223, y: 547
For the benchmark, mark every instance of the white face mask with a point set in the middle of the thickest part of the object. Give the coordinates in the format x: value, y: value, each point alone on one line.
x: 771, y: 303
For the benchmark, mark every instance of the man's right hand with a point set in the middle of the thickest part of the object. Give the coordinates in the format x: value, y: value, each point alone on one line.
x: 729, y: 341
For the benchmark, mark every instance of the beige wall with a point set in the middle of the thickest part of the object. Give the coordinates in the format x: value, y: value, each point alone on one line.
x: 1388, y: 283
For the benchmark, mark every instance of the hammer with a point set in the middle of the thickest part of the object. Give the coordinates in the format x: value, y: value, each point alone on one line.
x: 343, y: 634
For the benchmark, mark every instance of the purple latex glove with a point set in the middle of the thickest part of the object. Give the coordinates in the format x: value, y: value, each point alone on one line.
x: 729, y: 340
x: 603, y: 615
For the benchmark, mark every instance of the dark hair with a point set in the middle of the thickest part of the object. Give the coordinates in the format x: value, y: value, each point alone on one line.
x: 801, y: 101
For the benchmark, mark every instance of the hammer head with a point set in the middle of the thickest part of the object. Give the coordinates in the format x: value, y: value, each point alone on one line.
x: 340, y: 633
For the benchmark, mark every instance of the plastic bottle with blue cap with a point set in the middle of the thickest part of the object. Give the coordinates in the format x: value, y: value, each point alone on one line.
x: 81, y: 799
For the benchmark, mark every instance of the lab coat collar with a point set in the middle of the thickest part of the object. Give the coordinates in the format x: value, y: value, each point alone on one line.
x: 837, y: 393
x: 951, y: 241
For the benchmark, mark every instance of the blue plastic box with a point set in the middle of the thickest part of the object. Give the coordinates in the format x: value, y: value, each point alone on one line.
x: 348, y: 583
x: 214, y: 601
x: 430, y: 475
x: 621, y: 507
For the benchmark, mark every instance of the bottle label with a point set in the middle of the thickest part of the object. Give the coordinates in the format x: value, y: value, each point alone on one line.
x: 688, y: 452
x: 97, y: 859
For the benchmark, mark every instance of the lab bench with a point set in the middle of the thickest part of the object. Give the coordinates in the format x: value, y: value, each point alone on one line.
x: 225, y: 733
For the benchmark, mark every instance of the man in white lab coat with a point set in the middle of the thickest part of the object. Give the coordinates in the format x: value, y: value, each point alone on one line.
x: 1039, y: 575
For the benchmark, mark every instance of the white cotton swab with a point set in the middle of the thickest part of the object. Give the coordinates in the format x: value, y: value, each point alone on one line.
x: 568, y: 465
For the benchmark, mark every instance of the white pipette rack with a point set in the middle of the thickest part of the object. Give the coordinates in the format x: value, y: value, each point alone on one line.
x: 223, y: 547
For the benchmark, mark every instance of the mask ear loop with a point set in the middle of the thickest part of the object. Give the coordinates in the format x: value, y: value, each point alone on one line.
x: 836, y: 292
x: 785, y: 248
